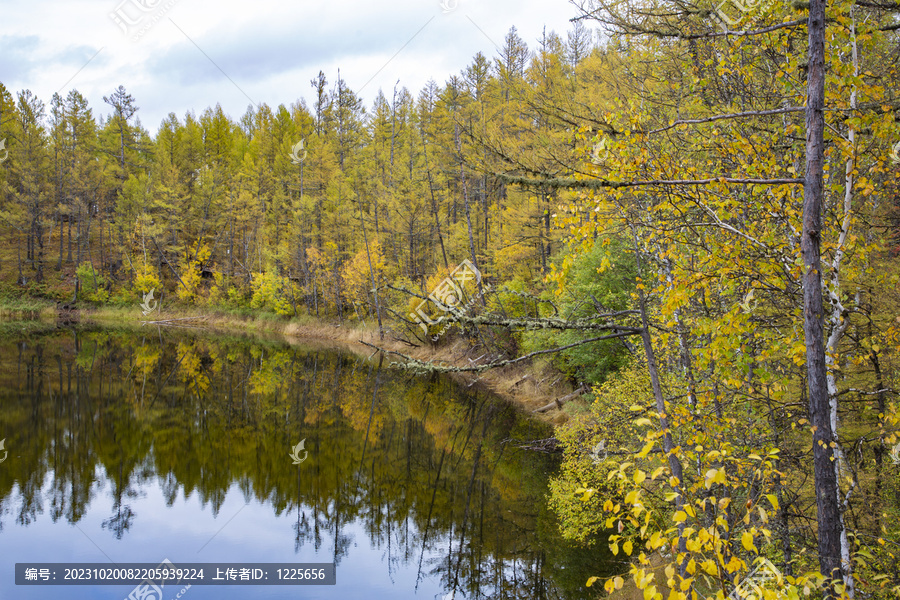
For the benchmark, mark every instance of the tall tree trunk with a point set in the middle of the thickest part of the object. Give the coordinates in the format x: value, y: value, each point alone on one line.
x: 828, y: 512
x: 362, y: 224
x: 102, y: 256
x: 881, y: 447
x: 462, y: 180
x: 78, y: 239
x: 21, y: 280
x: 540, y: 206
x: 39, y: 277
x: 61, y: 236
x: 434, y: 209
x: 675, y: 466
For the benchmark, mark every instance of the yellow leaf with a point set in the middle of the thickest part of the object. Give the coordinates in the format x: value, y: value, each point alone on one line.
x: 679, y: 517
x: 608, y: 586
x: 643, y: 421
x: 618, y: 582
x: 649, y: 592
x: 591, y: 581
x: 710, y: 478
x: 627, y: 547
x: 639, y: 477
x: 747, y: 541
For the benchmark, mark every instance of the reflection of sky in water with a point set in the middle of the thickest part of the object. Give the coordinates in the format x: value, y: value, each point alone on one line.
x: 390, y: 457
x: 246, y: 533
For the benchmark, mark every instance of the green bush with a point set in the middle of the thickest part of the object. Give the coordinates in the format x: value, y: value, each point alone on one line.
x: 600, y: 280
x: 93, y: 284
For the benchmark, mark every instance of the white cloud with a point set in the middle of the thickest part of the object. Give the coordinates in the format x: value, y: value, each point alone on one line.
x: 201, y: 52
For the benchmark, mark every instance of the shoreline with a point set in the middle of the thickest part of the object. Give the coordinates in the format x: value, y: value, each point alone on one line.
x: 528, y: 386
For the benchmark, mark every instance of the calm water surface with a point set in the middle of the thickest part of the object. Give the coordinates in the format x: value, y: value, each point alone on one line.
x: 137, y: 447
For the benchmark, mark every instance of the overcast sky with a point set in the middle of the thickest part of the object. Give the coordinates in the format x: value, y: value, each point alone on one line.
x: 180, y: 55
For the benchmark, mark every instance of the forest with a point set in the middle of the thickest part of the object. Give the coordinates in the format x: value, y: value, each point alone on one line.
x: 690, y: 209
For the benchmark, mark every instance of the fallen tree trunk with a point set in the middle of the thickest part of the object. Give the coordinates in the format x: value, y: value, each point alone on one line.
x: 558, y: 403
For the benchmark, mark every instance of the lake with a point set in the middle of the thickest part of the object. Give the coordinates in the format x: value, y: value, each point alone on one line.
x: 128, y: 446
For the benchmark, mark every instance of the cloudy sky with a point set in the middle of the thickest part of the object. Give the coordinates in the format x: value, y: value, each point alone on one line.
x: 180, y: 55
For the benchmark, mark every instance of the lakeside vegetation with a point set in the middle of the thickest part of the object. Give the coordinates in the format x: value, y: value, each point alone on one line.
x: 638, y: 201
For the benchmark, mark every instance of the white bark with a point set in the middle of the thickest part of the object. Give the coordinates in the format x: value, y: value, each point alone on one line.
x: 838, y: 323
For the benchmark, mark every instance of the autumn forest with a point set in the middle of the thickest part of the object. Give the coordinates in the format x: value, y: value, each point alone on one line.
x: 692, y: 218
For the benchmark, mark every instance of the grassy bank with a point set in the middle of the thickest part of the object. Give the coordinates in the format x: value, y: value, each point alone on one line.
x: 14, y: 307
x: 531, y: 386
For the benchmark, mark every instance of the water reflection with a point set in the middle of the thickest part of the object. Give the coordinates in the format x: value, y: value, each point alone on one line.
x: 126, y: 447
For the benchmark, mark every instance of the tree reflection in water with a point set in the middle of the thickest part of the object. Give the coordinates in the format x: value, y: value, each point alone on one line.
x: 426, y: 469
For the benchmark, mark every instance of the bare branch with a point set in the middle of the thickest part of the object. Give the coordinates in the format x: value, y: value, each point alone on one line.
x: 740, y: 115
x: 428, y: 367
x: 568, y: 182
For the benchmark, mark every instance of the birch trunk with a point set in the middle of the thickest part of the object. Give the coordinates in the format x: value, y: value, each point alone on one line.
x: 828, y: 512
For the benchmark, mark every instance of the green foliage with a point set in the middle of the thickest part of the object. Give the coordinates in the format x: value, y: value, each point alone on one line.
x: 124, y: 297
x: 236, y: 297
x: 93, y: 284
x: 514, y: 300
x: 580, y: 513
x: 599, y: 280
x: 592, y: 446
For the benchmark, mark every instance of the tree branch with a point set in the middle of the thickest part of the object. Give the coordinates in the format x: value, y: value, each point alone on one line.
x: 754, y: 113
x: 428, y: 367
x: 568, y: 182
